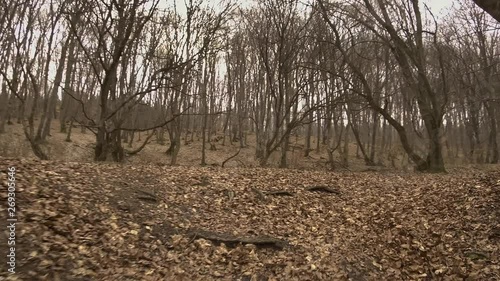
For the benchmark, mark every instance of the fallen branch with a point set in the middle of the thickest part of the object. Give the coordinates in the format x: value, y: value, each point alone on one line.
x: 146, y: 141
x: 231, y: 240
x: 234, y: 155
x: 148, y: 196
x: 323, y: 188
x: 476, y: 255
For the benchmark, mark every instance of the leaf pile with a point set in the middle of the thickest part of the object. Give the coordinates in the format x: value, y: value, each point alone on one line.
x: 86, y: 221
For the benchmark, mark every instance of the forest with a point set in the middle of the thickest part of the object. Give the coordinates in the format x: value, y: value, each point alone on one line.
x: 250, y: 140
x: 391, y: 78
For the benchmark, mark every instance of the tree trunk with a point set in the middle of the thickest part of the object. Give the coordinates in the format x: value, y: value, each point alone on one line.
x: 492, y: 137
x: 44, y: 127
x: 204, y: 104
x: 4, y: 106
x: 68, y: 135
x: 66, y: 100
x: 345, y: 151
x: 374, y: 136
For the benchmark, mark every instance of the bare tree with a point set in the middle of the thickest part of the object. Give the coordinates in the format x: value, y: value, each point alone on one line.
x: 275, y: 30
x: 408, y: 47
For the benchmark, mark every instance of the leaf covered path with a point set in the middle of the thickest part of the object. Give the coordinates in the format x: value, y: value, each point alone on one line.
x: 85, y: 221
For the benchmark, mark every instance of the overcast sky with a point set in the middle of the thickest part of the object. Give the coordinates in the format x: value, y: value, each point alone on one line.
x: 439, y: 7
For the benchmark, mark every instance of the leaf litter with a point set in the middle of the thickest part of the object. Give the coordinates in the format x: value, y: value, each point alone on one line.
x: 88, y: 221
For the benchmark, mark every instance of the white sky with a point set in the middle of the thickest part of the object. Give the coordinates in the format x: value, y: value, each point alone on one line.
x: 439, y: 7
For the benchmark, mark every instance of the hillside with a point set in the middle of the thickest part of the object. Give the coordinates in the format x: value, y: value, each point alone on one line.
x: 81, y: 149
x: 87, y: 221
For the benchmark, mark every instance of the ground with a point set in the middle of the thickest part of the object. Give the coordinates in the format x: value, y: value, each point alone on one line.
x: 89, y: 221
x: 81, y: 149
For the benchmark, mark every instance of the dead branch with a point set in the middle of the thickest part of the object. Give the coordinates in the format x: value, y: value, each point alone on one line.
x: 236, y: 154
x: 323, y: 188
x: 148, y: 196
x: 146, y: 141
x: 280, y: 193
x: 232, y: 241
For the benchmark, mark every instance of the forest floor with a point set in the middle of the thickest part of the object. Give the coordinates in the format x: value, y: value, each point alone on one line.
x: 89, y: 221
x: 81, y: 148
